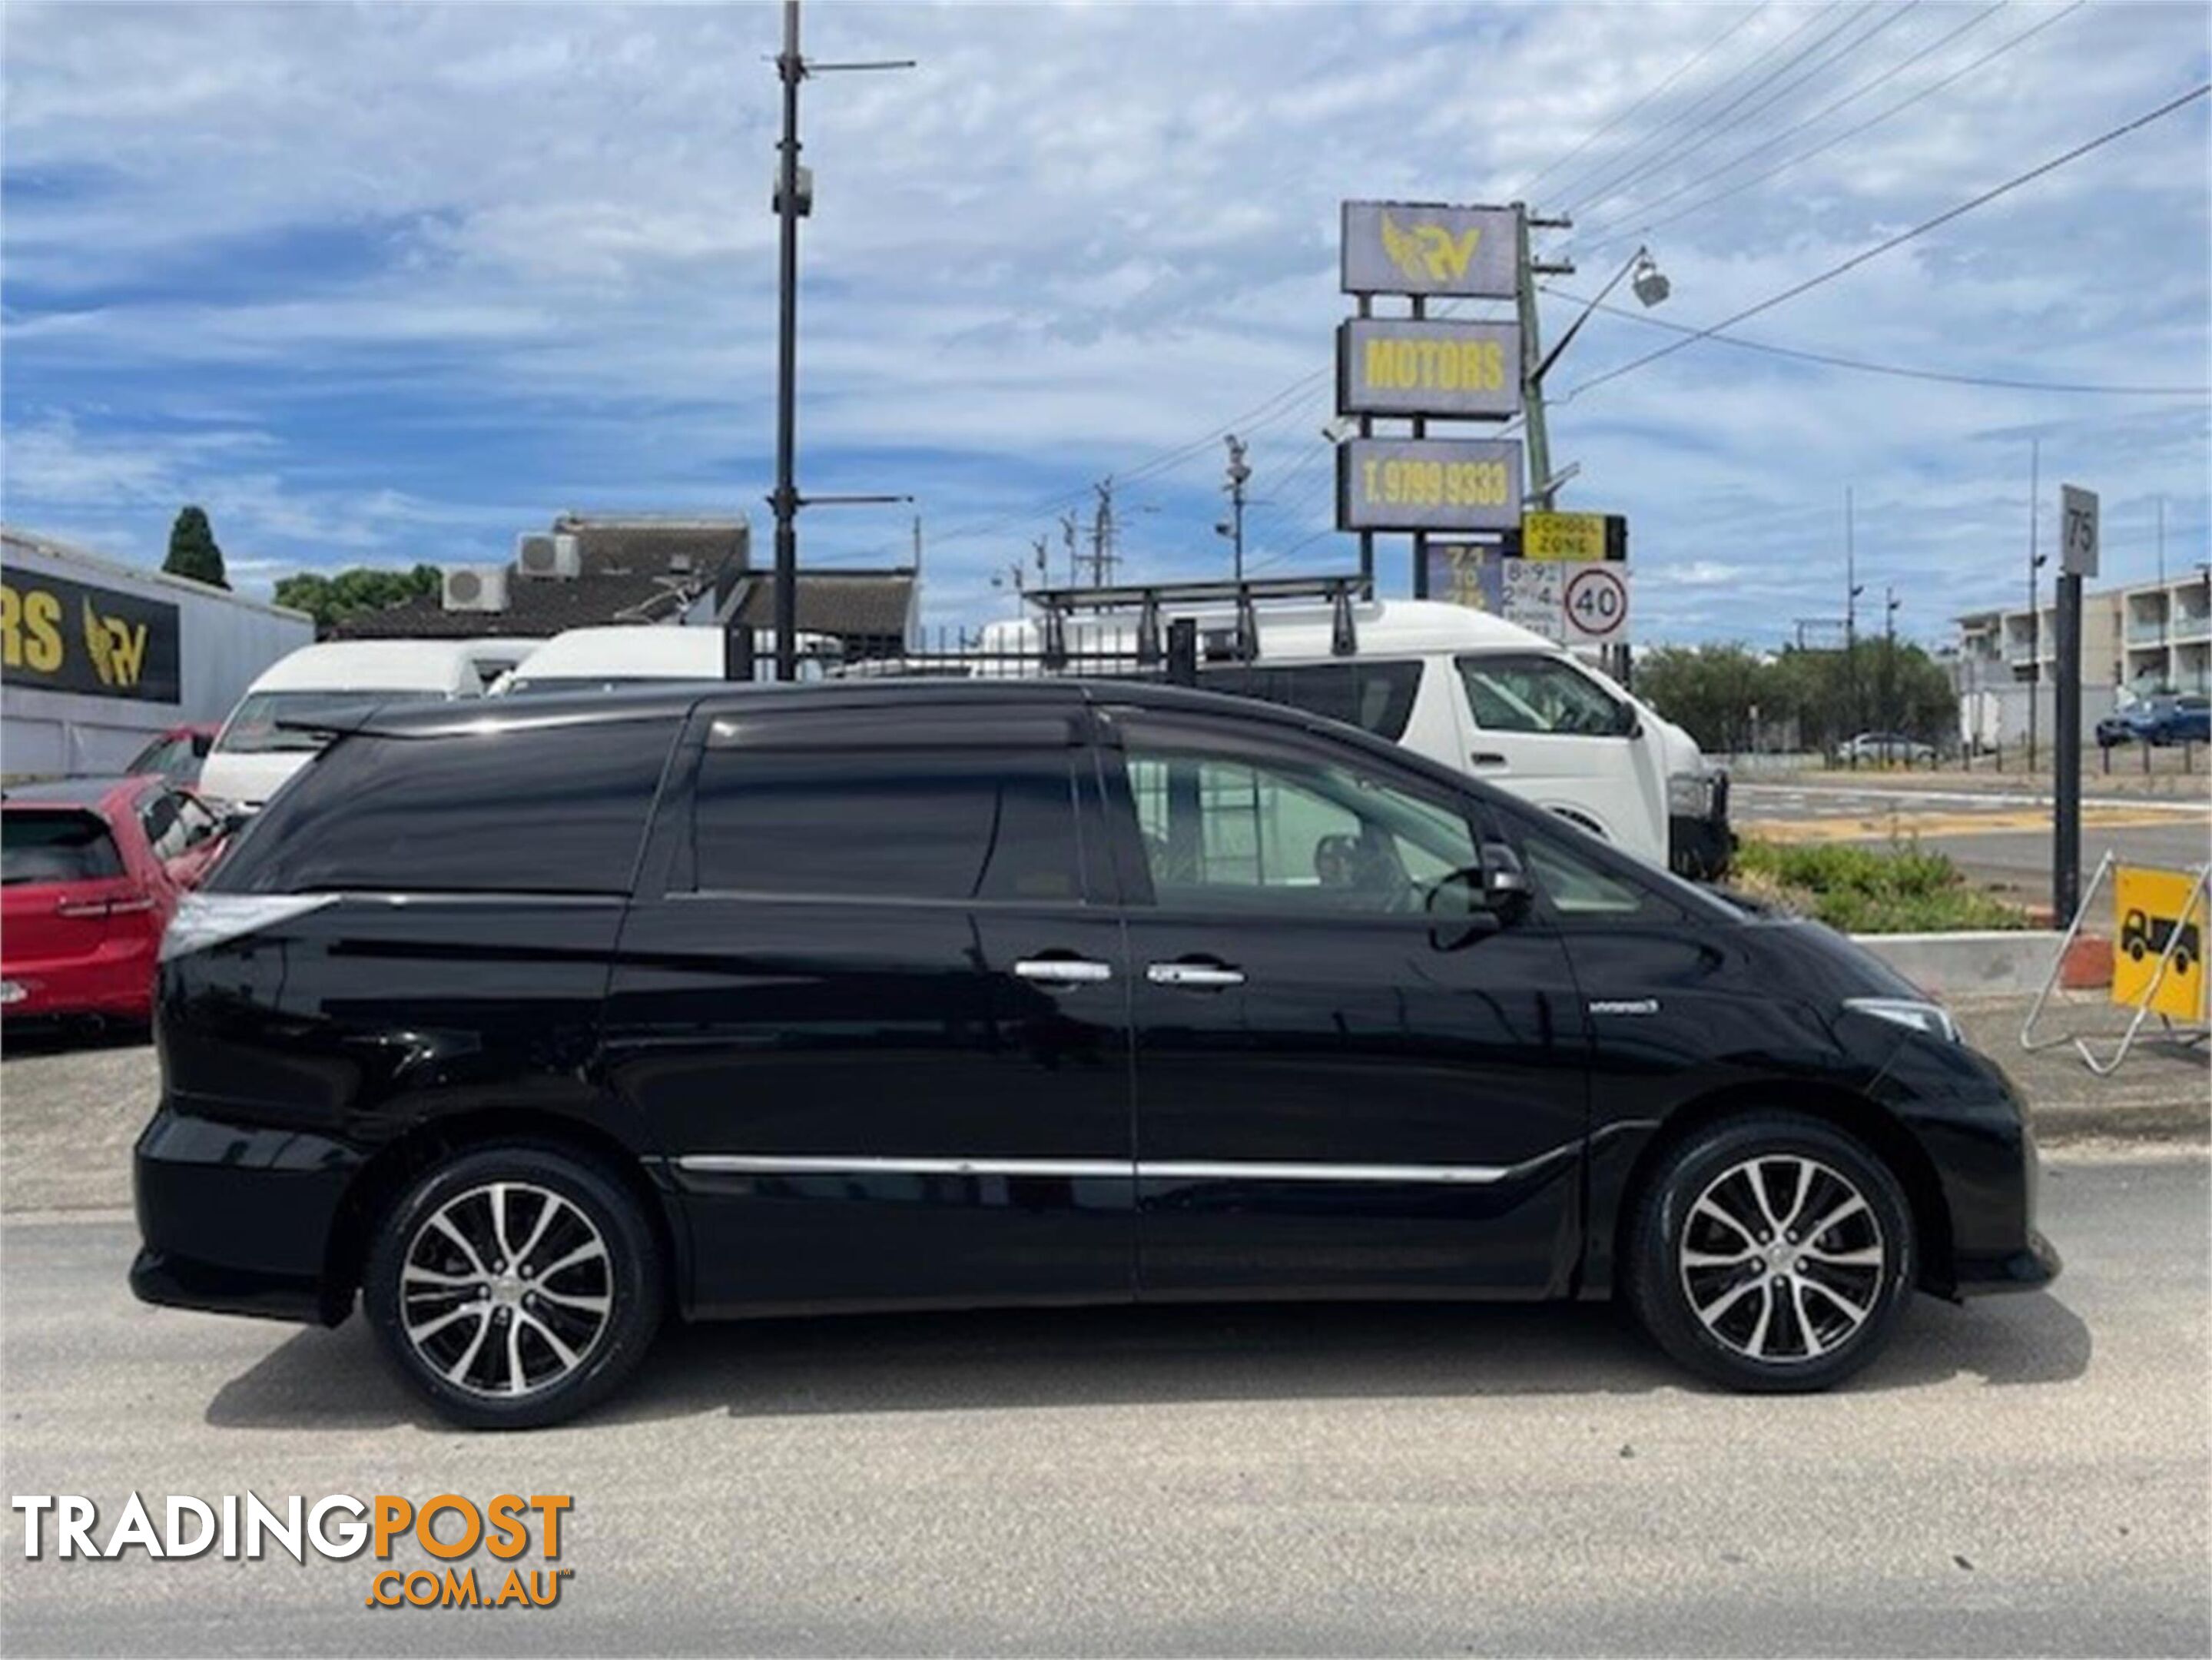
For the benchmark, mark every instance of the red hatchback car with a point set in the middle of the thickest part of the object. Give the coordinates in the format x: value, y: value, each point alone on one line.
x: 90, y: 871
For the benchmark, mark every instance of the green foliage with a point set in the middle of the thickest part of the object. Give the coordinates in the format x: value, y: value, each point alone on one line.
x: 1900, y: 889
x: 1827, y: 696
x: 192, y: 549
x: 331, y: 599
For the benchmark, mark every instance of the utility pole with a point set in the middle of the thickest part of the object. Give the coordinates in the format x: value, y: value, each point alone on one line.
x: 1533, y: 360
x: 2166, y: 682
x: 1889, y: 716
x: 794, y: 198
x: 1852, y: 589
x: 1103, y: 557
x: 1238, y: 473
x: 1074, y: 558
x: 917, y: 544
x: 2035, y: 619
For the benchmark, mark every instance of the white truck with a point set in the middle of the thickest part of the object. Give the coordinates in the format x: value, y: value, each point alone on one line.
x: 1471, y: 690
x: 603, y: 657
x: 254, y: 755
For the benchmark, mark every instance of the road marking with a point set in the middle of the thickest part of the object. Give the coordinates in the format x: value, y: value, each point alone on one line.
x: 1799, y: 797
x: 1883, y: 826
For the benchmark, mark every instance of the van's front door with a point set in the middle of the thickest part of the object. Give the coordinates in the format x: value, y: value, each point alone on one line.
x: 1346, y: 1083
x: 1541, y: 728
x: 871, y: 1019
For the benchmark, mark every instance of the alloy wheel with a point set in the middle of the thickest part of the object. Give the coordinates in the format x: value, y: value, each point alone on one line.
x: 506, y: 1290
x: 1782, y: 1259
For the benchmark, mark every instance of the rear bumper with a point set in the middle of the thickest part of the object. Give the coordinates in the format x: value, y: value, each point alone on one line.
x: 238, y: 1220
x: 118, y: 983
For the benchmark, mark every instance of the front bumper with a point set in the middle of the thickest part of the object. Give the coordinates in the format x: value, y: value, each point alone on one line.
x: 1701, y: 846
x: 2031, y: 1269
x: 237, y: 1219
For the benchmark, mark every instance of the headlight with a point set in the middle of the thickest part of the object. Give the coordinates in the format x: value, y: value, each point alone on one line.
x: 1688, y: 795
x: 1932, y: 1019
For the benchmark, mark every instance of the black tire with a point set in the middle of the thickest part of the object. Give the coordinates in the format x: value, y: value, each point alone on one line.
x: 626, y: 1273
x: 1659, y: 1283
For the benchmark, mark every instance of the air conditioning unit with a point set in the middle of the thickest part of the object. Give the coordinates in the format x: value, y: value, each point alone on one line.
x: 543, y: 556
x: 475, y: 587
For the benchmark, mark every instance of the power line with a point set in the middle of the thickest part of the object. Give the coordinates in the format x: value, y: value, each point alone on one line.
x: 1835, y: 360
x: 1587, y: 192
x: 1727, y: 34
x: 1826, y: 144
x: 1712, y: 130
x: 1898, y: 240
x: 1766, y: 145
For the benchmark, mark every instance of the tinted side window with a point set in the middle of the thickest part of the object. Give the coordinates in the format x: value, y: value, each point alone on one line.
x: 1285, y: 832
x: 1377, y: 698
x: 553, y: 810
x: 921, y: 822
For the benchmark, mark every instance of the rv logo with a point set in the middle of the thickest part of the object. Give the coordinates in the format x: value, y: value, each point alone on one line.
x: 1430, y: 252
x: 118, y: 648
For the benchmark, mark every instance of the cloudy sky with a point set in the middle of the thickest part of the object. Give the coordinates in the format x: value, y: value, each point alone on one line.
x: 386, y: 283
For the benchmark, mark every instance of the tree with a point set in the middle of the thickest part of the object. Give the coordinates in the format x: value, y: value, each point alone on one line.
x: 192, y: 549
x: 331, y: 599
x: 1709, y: 691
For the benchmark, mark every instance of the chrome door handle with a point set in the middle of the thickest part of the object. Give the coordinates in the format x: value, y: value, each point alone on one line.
x: 1204, y: 976
x: 1062, y: 971
x: 1486, y: 758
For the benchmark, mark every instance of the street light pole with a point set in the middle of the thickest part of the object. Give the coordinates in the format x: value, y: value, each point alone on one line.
x: 1238, y: 473
x: 792, y: 70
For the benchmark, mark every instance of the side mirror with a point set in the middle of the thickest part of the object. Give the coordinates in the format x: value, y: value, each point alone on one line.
x: 1505, y: 882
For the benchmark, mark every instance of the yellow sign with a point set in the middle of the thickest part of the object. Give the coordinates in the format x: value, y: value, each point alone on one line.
x: 2155, y: 912
x: 1563, y: 536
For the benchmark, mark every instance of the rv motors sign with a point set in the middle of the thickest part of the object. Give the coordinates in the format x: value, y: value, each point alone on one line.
x: 1408, y: 365
x: 60, y: 636
x: 1429, y: 248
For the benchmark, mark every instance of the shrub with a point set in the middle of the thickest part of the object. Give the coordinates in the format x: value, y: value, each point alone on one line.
x: 1900, y: 889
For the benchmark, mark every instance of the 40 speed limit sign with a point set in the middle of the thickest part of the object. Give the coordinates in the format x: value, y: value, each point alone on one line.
x: 1594, y: 605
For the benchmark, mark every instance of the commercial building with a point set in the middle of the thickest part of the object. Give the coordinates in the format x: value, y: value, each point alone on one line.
x: 100, y: 656
x: 589, y: 570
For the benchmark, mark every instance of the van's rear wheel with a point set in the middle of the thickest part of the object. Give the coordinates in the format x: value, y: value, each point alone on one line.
x: 1771, y: 1253
x: 515, y: 1287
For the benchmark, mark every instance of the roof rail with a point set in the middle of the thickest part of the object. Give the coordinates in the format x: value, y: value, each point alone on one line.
x: 1058, y: 604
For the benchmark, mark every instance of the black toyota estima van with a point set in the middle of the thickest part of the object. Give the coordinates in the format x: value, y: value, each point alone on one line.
x: 527, y: 1023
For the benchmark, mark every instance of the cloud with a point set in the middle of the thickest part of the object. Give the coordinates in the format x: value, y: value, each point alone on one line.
x: 398, y: 282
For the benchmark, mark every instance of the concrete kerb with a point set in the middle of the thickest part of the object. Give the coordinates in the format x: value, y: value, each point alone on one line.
x: 1980, y: 963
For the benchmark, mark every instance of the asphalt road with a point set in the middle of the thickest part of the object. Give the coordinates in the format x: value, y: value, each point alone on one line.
x: 2023, y: 1475
x: 1999, y: 838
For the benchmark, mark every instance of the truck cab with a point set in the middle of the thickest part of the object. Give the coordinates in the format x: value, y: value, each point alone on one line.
x: 1472, y: 691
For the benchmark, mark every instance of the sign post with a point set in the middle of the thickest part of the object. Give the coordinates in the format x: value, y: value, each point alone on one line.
x: 2077, y: 559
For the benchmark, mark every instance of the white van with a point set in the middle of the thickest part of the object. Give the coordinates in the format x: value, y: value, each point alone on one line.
x: 254, y: 755
x: 599, y: 659
x: 1471, y: 690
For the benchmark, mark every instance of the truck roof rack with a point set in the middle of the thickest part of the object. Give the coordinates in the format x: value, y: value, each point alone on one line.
x: 1058, y: 604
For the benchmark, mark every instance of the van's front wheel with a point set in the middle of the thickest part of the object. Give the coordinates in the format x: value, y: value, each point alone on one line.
x: 515, y: 1287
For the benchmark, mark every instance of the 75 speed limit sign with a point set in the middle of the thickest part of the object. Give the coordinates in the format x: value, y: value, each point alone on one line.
x: 1594, y: 604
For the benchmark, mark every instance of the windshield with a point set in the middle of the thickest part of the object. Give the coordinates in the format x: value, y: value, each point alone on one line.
x: 252, y: 728
x: 56, y: 847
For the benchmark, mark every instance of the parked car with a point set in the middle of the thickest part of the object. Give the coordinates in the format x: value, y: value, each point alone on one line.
x: 1470, y: 691
x: 177, y: 754
x: 256, y: 751
x: 2115, y: 729
x: 90, y: 871
x: 524, y: 1023
x: 1889, y: 747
